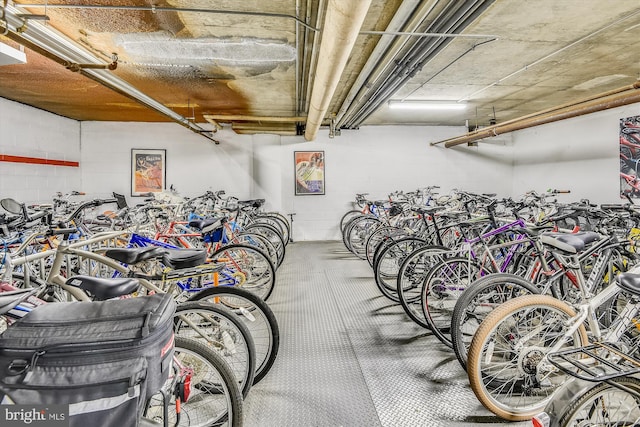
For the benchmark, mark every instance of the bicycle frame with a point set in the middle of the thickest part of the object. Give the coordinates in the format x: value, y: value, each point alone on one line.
x: 63, y: 253
x: 224, y: 277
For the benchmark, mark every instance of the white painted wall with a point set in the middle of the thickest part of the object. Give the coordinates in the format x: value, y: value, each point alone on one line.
x: 382, y: 159
x: 579, y: 154
x: 377, y: 160
x: 194, y: 164
x: 29, y: 132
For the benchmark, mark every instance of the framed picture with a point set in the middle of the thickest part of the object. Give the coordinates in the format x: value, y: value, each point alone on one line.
x: 148, y: 171
x: 629, y: 157
x: 309, y: 172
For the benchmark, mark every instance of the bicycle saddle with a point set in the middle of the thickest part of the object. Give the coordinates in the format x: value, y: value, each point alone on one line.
x: 630, y: 282
x: 103, y: 289
x: 571, y: 243
x: 184, y: 258
x: 256, y: 203
x: 134, y: 255
x: 207, y: 225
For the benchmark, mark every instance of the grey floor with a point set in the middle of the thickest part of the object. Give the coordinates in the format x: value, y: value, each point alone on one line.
x: 349, y: 357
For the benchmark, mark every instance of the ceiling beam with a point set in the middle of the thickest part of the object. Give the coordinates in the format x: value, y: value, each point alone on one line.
x: 247, y: 118
x: 341, y: 26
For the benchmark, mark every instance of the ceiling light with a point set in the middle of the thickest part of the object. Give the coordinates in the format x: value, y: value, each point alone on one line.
x: 427, y: 105
x: 10, y: 56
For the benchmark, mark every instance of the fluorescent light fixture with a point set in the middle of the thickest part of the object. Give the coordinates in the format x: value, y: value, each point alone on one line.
x: 10, y: 56
x: 427, y: 105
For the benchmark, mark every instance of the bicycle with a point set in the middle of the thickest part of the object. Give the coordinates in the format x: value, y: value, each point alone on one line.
x: 200, y: 385
x: 604, y: 393
x: 508, y: 363
x: 544, y: 274
x: 218, y: 329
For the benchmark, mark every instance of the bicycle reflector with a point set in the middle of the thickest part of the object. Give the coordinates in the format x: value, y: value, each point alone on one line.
x: 541, y: 420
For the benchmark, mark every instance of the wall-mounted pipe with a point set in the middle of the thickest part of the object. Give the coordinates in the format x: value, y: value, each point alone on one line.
x: 615, y: 98
x: 341, y: 26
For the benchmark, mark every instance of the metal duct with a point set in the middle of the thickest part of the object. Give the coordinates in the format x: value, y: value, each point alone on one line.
x: 342, y: 23
x: 57, y: 47
x: 611, y: 99
x: 404, y: 12
x: 452, y: 19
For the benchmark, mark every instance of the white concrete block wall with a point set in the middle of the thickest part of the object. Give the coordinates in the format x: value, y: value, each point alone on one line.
x: 579, y: 154
x: 382, y: 159
x: 29, y: 132
x: 194, y: 164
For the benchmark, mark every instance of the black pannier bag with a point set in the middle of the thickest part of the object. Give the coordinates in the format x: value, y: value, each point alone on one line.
x: 104, y: 359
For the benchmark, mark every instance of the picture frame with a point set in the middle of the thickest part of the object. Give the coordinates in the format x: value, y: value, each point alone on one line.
x: 309, y: 173
x: 148, y: 171
x: 629, y: 139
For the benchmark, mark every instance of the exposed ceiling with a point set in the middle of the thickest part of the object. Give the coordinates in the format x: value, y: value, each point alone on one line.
x: 253, y: 63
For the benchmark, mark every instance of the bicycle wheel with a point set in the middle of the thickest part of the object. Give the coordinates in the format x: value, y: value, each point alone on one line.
x: 273, y: 235
x: 278, y: 221
x: 388, y: 265
x: 248, y: 267
x: 215, y: 397
x: 256, y: 315
x: 477, y: 301
x: 382, y: 233
x: 260, y: 242
x: 348, y: 217
x: 506, y: 352
x: 357, y: 232
x: 606, y: 405
x: 441, y: 288
x: 221, y: 330
x: 411, y: 277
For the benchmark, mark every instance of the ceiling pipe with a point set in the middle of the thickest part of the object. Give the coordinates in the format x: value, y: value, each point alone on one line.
x: 248, y: 118
x: 453, y: 18
x: 312, y: 61
x: 59, y: 48
x: 615, y: 98
x: 404, y: 12
x: 155, y: 9
x: 341, y: 26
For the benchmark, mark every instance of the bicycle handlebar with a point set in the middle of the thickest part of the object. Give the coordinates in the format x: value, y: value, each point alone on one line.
x: 89, y: 204
x: 555, y: 191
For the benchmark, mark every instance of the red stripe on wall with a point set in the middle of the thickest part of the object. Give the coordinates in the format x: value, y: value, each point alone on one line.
x: 37, y: 161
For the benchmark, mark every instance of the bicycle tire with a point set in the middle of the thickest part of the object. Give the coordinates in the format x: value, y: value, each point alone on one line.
x: 382, y: 233
x: 225, y: 333
x: 441, y: 289
x: 601, y: 405
x: 224, y: 403
x: 356, y: 232
x: 348, y: 216
x: 278, y: 221
x: 469, y: 312
x: 411, y: 277
x: 260, y: 242
x: 388, y: 265
x: 255, y: 267
x: 501, y: 386
x: 258, y: 317
x: 273, y: 235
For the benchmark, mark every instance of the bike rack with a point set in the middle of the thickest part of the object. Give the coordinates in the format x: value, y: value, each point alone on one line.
x: 596, y: 362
